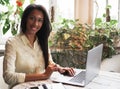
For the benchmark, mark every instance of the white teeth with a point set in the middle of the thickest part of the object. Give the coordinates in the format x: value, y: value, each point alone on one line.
x: 34, y: 28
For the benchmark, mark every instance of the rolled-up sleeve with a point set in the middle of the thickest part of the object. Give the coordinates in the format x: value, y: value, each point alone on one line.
x: 10, y: 76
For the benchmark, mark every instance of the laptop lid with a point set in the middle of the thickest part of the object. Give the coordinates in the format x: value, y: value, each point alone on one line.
x: 93, y: 62
x: 92, y: 68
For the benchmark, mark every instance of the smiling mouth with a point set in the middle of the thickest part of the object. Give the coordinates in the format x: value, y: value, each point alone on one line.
x: 34, y: 29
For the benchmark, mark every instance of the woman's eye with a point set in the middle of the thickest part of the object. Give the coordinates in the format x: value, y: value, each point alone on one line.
x: 36, y: 19
x: 32, y: 18
x: 40, y: 20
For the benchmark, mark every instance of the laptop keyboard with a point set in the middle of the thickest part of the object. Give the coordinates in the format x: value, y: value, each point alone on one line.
x: 79, y: 77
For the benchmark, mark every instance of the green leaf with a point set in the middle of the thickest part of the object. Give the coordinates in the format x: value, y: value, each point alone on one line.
x: 104, y: 15
x: 6, y: 26
x: 98, y: 21
x: 14, y: 32
x: 113, y: 22
x: 32, y: 1
x: 20, y: 11
x: 109, y: 6
x: 3, y: 2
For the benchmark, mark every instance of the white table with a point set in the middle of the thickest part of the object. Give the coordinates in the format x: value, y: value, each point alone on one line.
x: 105, y: 80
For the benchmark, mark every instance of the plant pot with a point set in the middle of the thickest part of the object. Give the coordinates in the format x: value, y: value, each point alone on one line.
x: 70, y: 58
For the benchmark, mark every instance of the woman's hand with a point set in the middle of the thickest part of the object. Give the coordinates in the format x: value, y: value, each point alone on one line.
x: 50, y: 69
x: 66, y: 71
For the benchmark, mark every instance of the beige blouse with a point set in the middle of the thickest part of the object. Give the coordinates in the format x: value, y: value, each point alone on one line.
x: 21, y: 58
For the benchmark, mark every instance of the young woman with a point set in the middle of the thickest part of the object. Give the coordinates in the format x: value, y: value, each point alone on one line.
x: 27, y: 56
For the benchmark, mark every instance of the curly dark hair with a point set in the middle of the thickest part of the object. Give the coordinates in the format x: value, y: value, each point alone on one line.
x: 44, y: 31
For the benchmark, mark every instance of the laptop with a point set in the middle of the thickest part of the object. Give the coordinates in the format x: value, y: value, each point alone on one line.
x: 83, y: 76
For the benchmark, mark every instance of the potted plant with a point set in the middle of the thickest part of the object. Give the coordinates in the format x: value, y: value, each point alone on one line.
x: 72, y: 40
x: 104, y: 32
x: 67, y: 44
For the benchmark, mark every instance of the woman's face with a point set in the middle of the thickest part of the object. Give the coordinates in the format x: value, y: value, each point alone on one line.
x: 34, y: 22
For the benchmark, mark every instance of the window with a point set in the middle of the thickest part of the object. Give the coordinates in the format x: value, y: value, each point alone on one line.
x: 65, y: 10
x: 100, y: 8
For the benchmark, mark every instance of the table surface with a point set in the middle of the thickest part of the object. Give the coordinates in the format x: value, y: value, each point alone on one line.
x: 105, y: 80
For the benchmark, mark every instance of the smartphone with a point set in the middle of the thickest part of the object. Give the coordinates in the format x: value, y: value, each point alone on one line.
x: 34, y: 88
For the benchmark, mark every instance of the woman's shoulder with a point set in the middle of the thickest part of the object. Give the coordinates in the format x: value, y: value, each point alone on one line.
x: 13, y: 39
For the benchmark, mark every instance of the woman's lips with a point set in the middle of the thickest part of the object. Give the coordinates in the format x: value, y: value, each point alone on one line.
x: 34, y: 29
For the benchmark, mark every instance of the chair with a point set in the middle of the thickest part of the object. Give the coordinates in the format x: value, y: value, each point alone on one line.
x: 3, y: 85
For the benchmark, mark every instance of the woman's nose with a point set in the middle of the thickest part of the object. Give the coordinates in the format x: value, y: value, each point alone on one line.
x: 36, y: 22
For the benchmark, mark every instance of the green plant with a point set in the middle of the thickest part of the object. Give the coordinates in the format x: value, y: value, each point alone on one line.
x: 67, y: 43
x: 69, y: 35
x: 75, y: 36
x: 10, y: 16
x: 71, y: 41
x: 104, y: 32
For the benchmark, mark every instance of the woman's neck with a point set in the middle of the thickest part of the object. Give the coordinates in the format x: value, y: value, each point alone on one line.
x: 31, y: 38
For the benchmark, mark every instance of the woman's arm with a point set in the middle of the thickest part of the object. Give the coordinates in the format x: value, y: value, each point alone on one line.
x: 49, y: 70
x: 9, y: 74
